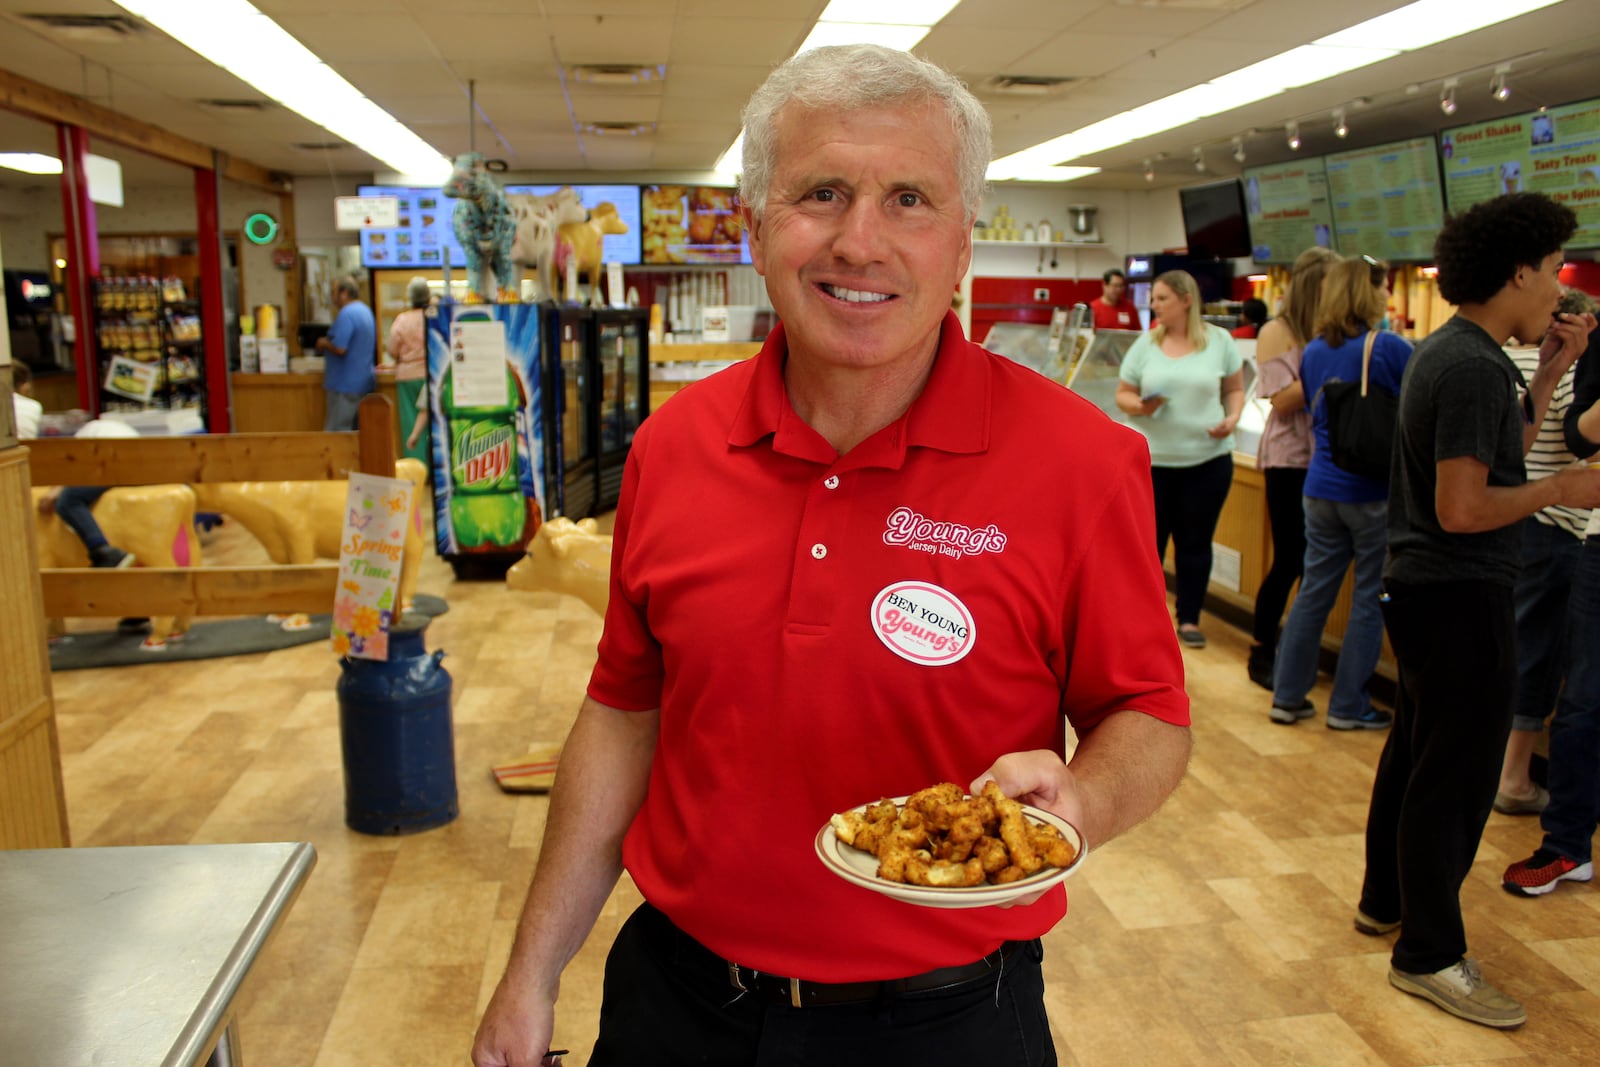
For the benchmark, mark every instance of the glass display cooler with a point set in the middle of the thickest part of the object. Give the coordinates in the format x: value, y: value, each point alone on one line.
x: 389, y: 297
x: 621, y: 346
x: 572, y: 479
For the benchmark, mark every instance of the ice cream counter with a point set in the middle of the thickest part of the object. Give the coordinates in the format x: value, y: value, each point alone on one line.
x: 285, y: 403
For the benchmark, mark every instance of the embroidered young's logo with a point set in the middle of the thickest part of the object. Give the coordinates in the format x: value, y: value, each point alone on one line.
x: 913, y: 530
x: 923, y: 623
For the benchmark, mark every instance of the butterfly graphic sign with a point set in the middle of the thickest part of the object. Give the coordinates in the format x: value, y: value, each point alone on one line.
x: 370, y: 553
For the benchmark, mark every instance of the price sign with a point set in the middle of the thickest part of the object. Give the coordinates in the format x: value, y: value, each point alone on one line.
x: 366, y: 212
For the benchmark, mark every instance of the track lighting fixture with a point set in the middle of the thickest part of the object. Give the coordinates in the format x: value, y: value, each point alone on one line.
x: 1341, y: 128
x: 1447, y: 97
x: 1199, y: 160
x: 1238, y: 149
x: 1291, y: 134
x: 1149, y: 171
x: 1498, y: 87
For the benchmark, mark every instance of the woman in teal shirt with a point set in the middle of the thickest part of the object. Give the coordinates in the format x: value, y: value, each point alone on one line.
x: 1182, y: 385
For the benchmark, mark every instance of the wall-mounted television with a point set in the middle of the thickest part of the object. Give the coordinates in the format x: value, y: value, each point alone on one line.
x: 1287, y: 208
x: 1387, y: 200
x: 1555, y: 151
x: 425, y: 236
x: 1214, y: 221
x: 693, y: 224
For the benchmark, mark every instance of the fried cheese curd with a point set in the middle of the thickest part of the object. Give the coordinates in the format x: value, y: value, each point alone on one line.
x: 943, y: 837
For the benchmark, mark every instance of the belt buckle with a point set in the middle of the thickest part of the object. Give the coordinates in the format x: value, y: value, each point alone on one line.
x: 794, y: 992
x: 733, y: 977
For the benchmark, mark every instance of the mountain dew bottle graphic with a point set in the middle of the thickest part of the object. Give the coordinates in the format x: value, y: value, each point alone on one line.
x: 486, y: 503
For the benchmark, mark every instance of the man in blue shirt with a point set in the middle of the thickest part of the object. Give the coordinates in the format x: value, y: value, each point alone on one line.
x: 350, y: 351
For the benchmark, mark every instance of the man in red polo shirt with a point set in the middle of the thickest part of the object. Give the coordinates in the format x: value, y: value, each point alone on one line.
x: 848, y: 568
x: 1114, y: 311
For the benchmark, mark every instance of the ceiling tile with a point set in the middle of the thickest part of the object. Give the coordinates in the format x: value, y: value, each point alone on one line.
x: 487, y: 38
x: 1040, y: 16
x: 343, y: 38
x: 580, y: 39
x: 746, y: 41
x: 734, y: 83
x: 964, y: 49
x: 788, y: 9
x: 598, y: 107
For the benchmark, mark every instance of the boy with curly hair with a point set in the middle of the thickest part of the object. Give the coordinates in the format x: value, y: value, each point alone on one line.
x: 1458, y: 493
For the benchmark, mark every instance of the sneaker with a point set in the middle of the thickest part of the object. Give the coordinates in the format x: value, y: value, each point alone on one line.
x: 1509, y: 804
x: 1289, y: 716
x: 109, y: 556
x: 1366, y: 924
x: 1371, y: 719
x: 1260, y: 664
x: 1461, y: 990
x: 1192, y: 636
x: 1539, y: 873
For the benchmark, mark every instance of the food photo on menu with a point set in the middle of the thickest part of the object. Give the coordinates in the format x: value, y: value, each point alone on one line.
x: 691, y: 224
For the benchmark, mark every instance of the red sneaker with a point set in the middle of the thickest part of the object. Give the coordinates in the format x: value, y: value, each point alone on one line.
x: 1539, y: 873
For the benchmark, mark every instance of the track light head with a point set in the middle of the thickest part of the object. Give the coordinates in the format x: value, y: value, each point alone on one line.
x: 1291, y: 134
x: 1499, y: 88
x: 1238, y: 149
x: 1149, y: 171
x: 1199, y: 160
x: 1341, y: 128
x: 1447, y: 97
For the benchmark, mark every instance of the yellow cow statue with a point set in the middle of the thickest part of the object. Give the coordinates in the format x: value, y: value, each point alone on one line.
x: 566, y: 557
x: 584, y: 243
x: 154, y: 522
x: 297, y: 522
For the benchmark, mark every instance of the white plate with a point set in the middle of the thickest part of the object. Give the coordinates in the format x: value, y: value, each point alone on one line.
x: 861, y: 868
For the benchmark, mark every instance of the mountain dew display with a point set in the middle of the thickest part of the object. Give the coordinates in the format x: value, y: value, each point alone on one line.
x: 488, y: 445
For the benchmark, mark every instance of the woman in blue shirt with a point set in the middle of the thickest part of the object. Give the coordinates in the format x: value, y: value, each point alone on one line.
x: 1346, y: 514
x: 1182, y: 384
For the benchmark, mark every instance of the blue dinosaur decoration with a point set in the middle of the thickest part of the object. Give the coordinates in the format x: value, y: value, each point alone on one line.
x: 484, y: 227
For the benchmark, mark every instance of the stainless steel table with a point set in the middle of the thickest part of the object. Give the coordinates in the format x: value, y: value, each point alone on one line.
x: 130, y: 957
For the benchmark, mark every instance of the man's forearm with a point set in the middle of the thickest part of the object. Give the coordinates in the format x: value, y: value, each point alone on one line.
x: 605, y: 767
x: 1494, y: 506
x: 1125, y: 767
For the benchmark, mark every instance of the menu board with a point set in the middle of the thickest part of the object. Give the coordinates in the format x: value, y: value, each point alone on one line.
x: 425, y: 234
x: 693, y: 224
x: 1387, y: 201
x: 1287, y: 207
x: 1555, y: 152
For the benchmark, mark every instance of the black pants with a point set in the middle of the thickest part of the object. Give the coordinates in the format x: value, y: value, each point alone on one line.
x: 668, y: 1001
x: 1285, y: 486
x: 1455, y: 643
x: 1188, y: 502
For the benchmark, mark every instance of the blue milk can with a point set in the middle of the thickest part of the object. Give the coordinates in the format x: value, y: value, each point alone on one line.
x: 395, y: 730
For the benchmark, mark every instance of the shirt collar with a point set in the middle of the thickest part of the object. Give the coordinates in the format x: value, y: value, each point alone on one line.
x: 951, y: 414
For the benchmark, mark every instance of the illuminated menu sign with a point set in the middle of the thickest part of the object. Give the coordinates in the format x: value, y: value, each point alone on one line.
x: 1287, y: 207
x: 1387, y: 201
x: 1555, y: 152
x: 425, y: 235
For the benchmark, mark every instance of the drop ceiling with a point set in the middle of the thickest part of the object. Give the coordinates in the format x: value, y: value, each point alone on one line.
x: 419, y: 59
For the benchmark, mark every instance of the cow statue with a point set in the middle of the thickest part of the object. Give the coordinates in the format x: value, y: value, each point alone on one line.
x: 297, y: 522
x: 485, y: 228
x: 538, y: 222
x: 567, y: 557
x: 154, y: 522
x: 584, y: 242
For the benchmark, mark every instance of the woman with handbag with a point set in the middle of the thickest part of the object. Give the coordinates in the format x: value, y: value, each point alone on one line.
x: 1285, y: 449
x: 1183, y: 382
x: 1346, y: 513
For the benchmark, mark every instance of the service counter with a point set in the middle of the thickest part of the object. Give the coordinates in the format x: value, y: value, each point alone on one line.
x: 1242, y: 548
x: 282, y: 403
x: 674, y: 366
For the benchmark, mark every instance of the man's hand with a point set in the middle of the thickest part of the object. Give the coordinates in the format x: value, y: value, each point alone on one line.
x: 516, y: 1028
x: 1579, y: 487
x: 323, y: 344
x: 47, y: 503
x: 1566, y: 341
x: 1039, y: 778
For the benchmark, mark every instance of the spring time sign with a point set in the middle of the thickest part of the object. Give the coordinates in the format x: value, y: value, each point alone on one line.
x: 377, y: 511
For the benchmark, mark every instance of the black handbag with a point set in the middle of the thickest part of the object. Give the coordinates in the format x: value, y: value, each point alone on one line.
x: 1361, y: 422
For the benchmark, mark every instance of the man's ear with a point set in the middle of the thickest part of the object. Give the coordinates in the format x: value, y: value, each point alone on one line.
x: 753, y: 228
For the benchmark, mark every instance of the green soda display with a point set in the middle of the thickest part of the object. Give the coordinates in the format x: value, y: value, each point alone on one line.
x: 487, y: 509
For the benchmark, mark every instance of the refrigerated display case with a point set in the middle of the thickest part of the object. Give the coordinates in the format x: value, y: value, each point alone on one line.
x: 572, y: 443
x: 621, y: 346
x: 389, y: 297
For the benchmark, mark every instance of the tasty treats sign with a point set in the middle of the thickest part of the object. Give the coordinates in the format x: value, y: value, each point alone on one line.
x: 370, y: 552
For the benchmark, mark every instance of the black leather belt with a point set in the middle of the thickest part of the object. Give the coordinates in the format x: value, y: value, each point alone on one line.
x: 800, y: 994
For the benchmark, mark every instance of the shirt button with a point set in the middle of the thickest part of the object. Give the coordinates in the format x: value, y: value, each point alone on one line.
x: 818, y: 551
x: 831, y: 481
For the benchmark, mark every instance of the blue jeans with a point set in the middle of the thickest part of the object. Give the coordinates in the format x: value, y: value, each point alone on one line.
x: 1569, y: 820
x: 1549, y: 560
x: 1335, y: 534
x: 75, y: 506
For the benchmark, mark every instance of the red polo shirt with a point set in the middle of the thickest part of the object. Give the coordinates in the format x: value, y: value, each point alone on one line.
x: 1119, y: 316
x: 821, y: 630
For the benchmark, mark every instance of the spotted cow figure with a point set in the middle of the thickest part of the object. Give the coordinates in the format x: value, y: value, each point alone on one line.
x: 484, y: 227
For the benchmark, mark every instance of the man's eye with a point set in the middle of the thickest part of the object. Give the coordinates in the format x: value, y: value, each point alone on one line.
x: 909, y: 199
x: 823, y: 195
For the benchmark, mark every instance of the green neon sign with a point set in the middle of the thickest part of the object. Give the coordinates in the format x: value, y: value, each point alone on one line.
x: 261, y: 228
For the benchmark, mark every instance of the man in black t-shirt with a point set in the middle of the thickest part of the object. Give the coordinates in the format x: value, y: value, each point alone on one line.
x: 1458, y: 493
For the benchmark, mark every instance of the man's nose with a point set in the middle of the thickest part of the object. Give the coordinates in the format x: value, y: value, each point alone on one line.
x: 862, y: 232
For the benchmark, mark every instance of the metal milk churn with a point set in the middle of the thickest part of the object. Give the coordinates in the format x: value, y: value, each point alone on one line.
x: 396, y: 734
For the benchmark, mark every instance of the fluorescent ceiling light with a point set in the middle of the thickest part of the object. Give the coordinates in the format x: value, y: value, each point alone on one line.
x: 30, y: 162
x: 890, y: 36
x: 236, y: 36
x: 891, y: 12
x: 1414, y: 26
x: 732, y: 160
x: 1036, y: 173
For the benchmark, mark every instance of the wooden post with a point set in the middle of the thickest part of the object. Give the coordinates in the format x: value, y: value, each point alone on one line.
x: 293, y: 278
x: 83, y: 260
x: 375, y: 430
x: 208, y: 235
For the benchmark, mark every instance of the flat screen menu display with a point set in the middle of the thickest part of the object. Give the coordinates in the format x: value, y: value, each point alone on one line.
x: 693, y: 224
x: 425, y: 235
x: 1288, y: 210
x: 1555, y: 152
x: 1387, y: 200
